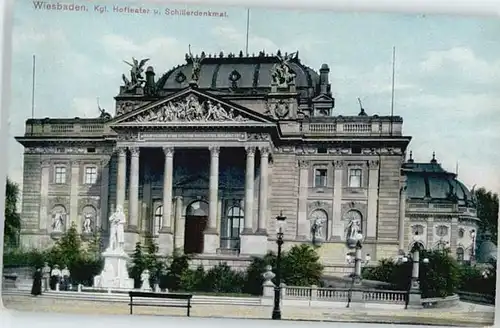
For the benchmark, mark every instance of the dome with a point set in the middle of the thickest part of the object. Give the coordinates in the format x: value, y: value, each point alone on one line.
x: 251, y: 73
x: 430, y: 181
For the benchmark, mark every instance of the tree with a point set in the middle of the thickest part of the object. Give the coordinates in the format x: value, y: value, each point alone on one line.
x: 487, y: 212
x: 138, y: 265
x: 301, y: 266
x: 12, y: 218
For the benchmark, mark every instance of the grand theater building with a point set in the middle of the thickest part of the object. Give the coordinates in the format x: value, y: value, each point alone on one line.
x: 204, y: 157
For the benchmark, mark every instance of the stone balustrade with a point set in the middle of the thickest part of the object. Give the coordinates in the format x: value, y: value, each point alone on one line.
x: 341, y: 127
x: 66, y: 127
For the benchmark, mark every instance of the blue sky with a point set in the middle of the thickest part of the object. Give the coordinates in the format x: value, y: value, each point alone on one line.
x: 447, y: 68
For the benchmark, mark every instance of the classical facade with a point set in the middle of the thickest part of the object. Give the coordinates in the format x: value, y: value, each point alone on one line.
x: 205, y: 157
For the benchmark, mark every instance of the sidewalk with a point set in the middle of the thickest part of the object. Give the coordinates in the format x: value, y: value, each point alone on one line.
x: 432, y: 317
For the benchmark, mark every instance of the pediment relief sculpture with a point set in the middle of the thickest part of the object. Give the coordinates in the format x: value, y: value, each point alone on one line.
x: 190, y: 109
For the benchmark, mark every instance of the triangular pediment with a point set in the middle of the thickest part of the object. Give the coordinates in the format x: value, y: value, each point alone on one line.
x: 322, y: 98
x: 190, y: 107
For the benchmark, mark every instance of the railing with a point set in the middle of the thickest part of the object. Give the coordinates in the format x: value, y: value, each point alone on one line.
x: 373, y: 128
x: 79, y: 128
x: 342, y: 294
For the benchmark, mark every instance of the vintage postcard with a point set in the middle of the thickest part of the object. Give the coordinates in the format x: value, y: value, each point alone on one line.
x: 210, y: 161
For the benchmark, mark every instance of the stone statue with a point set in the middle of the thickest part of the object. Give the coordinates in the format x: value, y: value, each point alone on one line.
x: 136, y: 70
x: 195, y: 72
x: 57, y: 222
x: 87, y: 223
x: 117, y: 234
x: 318, y: 227
x: 282, y: 74
x: 353, y: 229
x: 145, y: 280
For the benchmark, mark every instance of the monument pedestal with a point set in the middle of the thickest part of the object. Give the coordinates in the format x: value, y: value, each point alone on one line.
x: 115, y: 273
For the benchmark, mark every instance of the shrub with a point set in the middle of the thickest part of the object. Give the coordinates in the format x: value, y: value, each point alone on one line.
x: 254, y: 279
x: 478, y: 280
x: 192, y: 280
x: 138, y: 265
x: 301, y: 266
x: 221, y: 279
x: 179, y: 265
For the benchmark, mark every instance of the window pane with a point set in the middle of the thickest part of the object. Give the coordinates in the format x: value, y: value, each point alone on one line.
x: 355, y: 178
x: 320, y: 177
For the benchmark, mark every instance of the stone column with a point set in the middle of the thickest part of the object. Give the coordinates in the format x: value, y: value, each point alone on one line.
x: 179, y: 224
x: 44, y: 221
x: 133, y: 198
x: 263, y: 191
x: 338, y: 228
x: 73, y: 197
x: 211, y: 240
x: 430, y: 233
x: 121, y: 177
x: 303, y: 227
x: 371, y: 220
x: 166, y: 226
x: 249, y: 190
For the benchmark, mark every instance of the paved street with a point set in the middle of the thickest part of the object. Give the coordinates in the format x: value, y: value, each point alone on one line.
x: 480, y: 316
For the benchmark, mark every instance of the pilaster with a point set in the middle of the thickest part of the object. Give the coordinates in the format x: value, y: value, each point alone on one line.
x: 263, y: 191
x: 338, y: 228
x: 121, y: 177
x: 43, y: 220
x: 303, y: 227
x: 371, y: 220
x: 104, y: 198
x: 73, y: 196
x: 178, y: 224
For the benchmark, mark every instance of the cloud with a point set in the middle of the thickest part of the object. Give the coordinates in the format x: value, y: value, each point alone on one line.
x: 464, y: 61
x: 233, y: 40
x: 164, y: 52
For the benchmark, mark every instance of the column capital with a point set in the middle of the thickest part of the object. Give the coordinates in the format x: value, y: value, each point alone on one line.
x: 338, y: 165
x: 168, y: 151
x: 264, y: 151
x: 304, y: 164
x: 121, y: 151
x: 373, y: 164
x: 134, y: 151
x: 214, y: 150
x: 250, y: 150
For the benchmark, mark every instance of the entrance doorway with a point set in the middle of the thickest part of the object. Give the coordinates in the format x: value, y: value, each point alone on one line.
x: 196, y: 222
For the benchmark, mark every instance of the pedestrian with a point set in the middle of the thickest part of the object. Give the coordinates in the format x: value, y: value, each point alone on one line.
x: 36, y: 289
x: 46, y: 277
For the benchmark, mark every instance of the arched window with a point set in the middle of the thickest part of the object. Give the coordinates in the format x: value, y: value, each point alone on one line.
x: 158, y: 220
x: 232, y: 227
x: 460, y: 254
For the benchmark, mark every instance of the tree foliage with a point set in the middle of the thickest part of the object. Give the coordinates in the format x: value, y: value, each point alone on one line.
x: 440, y: 277
x: 12, y: 218
x: 487, y: 212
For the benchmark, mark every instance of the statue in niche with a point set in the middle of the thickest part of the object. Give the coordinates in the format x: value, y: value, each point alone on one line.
x: 318, y: 218
x: 136, y: 70
x: 353, y: 229
x: 282, y: 73
x: 58, y: 219
x: 87, y: 223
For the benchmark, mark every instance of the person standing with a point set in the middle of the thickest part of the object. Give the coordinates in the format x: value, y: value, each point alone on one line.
x: 65, y: 278
x: 36, y: 288
x: 46, y: 277
x: 55, y: 277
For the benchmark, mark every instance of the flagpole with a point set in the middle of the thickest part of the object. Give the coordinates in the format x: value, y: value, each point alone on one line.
x: 248, y: 28
x: 33, y: 89
x: 392, y: 88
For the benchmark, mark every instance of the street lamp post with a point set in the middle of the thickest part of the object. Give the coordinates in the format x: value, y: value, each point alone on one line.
x: 280, y: 220
x: 414, y: 296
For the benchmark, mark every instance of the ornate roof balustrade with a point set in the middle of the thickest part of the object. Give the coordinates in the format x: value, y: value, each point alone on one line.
x: 66, y: 127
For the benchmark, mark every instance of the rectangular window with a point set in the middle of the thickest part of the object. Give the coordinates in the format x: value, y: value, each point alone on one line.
x: 320, y: 176
x: 90, y: 175
x: 355, y: 178
x: 60, y: 174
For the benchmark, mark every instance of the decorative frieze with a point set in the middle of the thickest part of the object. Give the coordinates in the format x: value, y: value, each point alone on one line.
x: 373, y: 164
x: 189, y: 109
x: 304, y: 164
x: 338, y: 151
x: 338, y: 165
x: 129, y: 136
x: 60, y: 150
x: 284, y: 149
x: 127, y: 106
